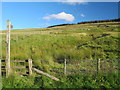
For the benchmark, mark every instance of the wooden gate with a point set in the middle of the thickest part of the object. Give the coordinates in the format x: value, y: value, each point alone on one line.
x: 22, y: 67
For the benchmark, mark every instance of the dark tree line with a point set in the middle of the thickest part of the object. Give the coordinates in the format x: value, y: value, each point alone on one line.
x: 97, y: 21
x: 60, y: 25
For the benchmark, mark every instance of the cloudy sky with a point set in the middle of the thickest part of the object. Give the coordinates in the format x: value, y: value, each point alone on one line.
x: 42, y: 14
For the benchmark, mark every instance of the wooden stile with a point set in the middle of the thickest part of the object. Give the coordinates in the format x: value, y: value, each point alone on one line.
x: 21, y: 73
x: 28, y: 67
x: 19, y: 60
x: 8, y: 61
x: 19, y: 67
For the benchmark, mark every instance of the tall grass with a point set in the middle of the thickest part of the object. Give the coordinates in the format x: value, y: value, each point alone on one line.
x: 71, y: 81
x: 75, y: 42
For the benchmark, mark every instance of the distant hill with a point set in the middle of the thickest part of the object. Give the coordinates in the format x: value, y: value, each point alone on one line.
x: 96, y: 21
x: 59, y: 25
x: 99, y: 21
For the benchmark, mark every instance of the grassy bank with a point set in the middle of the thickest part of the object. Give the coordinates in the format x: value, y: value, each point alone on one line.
x: 71, y: 81
x: 77, y: 43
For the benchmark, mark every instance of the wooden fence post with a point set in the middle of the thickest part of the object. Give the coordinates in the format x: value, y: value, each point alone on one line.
x: 30, y: 66
x: 65, y: 66
x: 0, y: 75
x: 8, y: 49
x: 98, y: 65
x: 0, y: 68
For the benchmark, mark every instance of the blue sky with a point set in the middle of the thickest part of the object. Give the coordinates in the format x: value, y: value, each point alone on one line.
x: 42, y: 14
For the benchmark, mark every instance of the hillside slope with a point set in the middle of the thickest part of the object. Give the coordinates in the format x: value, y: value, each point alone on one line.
x: 79, y: 42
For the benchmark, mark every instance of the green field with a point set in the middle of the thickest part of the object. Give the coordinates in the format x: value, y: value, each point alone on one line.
x: 80, y: 43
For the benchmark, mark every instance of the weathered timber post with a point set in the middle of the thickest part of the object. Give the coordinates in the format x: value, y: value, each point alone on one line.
x: 46, y: 74
x: 0, y: 76
x: 65, y: 67
x: 30, y: 66
x: 8, y: 48
x: 98, y: 65
x: 0, y: 67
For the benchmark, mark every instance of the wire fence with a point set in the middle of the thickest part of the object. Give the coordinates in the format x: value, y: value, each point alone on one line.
x: 67, y: 67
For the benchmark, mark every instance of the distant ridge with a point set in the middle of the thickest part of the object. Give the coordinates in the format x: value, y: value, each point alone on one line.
x: 96, y: 21
x: 59, y: 25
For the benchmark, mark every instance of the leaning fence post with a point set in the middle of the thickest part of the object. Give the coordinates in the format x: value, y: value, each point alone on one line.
x: 65, y: 67
x: 30, y: 66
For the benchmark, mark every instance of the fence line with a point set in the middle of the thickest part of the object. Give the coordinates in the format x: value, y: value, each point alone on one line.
x: 66, y: 66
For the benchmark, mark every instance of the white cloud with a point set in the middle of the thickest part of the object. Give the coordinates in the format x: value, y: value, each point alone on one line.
x: 62, y: 15
x: 73, y: 2
x: 82, y: 15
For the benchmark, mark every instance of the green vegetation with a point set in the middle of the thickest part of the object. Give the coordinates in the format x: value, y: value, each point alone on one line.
x: 71, y: 81
x: 77, y: 43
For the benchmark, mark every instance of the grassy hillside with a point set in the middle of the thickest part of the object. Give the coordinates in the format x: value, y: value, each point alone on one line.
x: 73, y: 40
x: 80, y: 43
